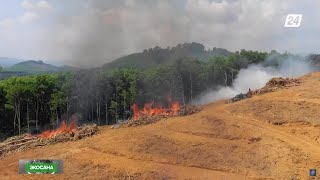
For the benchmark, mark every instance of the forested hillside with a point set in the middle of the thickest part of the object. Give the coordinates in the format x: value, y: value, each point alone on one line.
x: 315, y: 59
x: 157, y: 55
x: 7, y: 74
x: 41, y: 101
x: 32, y: 66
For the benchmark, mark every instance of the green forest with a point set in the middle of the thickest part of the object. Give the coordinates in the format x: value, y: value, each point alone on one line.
x: 103, y: 96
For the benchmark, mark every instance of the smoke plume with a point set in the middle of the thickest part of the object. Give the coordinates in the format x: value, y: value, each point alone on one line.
x: 256, y: 76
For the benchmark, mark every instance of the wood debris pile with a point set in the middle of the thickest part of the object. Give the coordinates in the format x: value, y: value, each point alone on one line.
x: 86, y: 131
x: 27, y: 141
x: 272, y: 85
x: 239, y: 97
x: 143, y: 120
x: 188, y: 110
x: 275, y: 84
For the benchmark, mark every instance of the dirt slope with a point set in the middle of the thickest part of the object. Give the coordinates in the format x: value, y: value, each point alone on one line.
x: 270, y: 136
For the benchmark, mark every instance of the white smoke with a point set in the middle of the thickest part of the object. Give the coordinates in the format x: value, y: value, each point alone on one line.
x: 256, y: 76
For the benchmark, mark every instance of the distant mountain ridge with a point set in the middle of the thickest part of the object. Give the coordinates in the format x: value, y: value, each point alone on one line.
x: 7, y: 61
x: 148, y: 58
x: 157, y: 55
x: 32, y: 66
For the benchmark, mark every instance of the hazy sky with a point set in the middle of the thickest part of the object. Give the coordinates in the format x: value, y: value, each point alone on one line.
x: 93, y: 32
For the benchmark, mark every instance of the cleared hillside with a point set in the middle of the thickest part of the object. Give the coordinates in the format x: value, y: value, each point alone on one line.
x: 274, y: 135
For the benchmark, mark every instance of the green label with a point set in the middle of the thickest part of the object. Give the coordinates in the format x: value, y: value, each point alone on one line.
x: 35, y: 168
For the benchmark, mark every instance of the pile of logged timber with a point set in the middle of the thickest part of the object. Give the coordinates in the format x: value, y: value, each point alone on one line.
x: 147, y: 119
x: 272, y: 85
x: 143, y: 120
x: 188, y: 110
x: 27, y: 141
x: 239, y: 97
x: 275, y: 84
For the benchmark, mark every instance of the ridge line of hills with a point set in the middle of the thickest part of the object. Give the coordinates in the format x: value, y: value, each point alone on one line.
x: 147, y: 58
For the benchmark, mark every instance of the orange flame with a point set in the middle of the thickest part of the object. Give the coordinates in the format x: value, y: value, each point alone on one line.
x: 63, y: 129
x: 150, y: 109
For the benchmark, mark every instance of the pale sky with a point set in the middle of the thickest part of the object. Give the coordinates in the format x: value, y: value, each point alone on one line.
x: 92, y: 32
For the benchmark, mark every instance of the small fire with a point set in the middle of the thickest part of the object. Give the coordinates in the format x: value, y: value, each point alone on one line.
x: 63, y: 129
x: 152, y: 109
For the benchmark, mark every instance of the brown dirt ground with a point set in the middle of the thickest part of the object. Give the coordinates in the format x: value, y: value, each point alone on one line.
x: 270, y: 136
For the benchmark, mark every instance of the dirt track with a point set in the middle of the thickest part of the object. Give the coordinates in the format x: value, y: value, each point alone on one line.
x: 270, y: 136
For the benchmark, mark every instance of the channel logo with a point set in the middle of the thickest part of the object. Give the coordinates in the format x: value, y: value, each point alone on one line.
x: 293, y: 20
x: 40, y: 166
x: 313, y: 172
